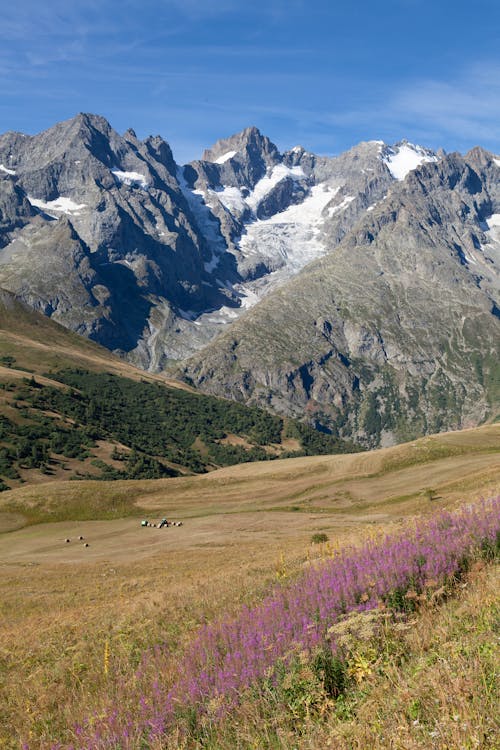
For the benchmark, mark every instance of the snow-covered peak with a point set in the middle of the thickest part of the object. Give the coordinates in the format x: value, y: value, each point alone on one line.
x: 131, y: 178
x: 225, y: 157
x: 249, y: 144
x: 403, y: 157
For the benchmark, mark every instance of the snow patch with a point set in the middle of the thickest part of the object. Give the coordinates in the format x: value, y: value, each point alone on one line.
x: 341, y: 206
x: 225, y: 157
x: 212, y: 263
x: 230, y: 197
x: 267, y: 183
x: 493, y: 221
x: 234, y: 199
x: 497, y: 162
x: 207, y: 223
x: 7, y: 171
x: 403, y: 158
x: 131, y: 178
x: 63, y: 205
x: 469, y: 259
x: 307, y: 213
x: 489, y: 254
x: 289, y: 240
x: 286, y: 242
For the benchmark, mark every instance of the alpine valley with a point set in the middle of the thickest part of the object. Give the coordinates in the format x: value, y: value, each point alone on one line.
x: 360, y: 293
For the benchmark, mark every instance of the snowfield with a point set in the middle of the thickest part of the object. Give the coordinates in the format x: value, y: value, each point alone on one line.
x: 131, y: 178
x: 62, y: 205
x: 234, y: 199
x: 225, y: 157
x: 404, y: 158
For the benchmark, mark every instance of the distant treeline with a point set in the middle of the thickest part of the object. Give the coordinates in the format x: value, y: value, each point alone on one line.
x: 152, y: 420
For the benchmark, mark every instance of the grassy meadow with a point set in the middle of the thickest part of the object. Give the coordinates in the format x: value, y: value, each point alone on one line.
x: 76, y: 621
x: 83, y: 622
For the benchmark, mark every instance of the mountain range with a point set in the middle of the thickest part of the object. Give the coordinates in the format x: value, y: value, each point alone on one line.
x: 359, y: 292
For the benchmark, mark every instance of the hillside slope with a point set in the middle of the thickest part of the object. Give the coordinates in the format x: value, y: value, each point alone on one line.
x: 394, y: 334
x: 245, y: 528
x: 69, y: 409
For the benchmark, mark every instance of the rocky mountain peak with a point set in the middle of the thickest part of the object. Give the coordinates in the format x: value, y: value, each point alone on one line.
x: 249, y: 142
x: 481, y: 158
x: 240, y: 160
x: 294, y: 156
x: 331, y: 274
x: 84, y: 131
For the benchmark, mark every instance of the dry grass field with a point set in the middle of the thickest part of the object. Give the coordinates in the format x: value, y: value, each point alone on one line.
x: 67, y: 610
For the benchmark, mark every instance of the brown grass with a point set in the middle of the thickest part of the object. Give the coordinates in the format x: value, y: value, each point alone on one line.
x: 445, y: 694
x: 274, y: 503
x: 41, y: 345
x: 244, y: 527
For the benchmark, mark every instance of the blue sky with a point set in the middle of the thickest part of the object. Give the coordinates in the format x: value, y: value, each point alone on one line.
x: 322, y: 74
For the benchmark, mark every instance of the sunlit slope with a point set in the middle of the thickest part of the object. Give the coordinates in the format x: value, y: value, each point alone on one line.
x: 243, y: 528
x: 39, y: 344
x: 69, y: 409
x: 273, y: 500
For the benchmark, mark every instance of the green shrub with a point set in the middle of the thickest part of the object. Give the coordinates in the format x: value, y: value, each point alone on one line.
x: 331, y: 670
x: 319, y: 537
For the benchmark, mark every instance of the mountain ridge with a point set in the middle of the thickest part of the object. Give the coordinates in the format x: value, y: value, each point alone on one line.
x: 165, y: 263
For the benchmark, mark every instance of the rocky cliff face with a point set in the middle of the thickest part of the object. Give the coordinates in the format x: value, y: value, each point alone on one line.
x: 172, y: 255
x: 81, y: 194
x: 394, y: 333
x: 360, y: 290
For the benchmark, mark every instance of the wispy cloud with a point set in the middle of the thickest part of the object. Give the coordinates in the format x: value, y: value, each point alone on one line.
x: 201, y: 67
x: 468, y: 107
x: 463, y: 110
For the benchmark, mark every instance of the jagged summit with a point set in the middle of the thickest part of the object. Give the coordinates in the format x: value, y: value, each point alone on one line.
x: 249, y: 142
x: 481, y: 157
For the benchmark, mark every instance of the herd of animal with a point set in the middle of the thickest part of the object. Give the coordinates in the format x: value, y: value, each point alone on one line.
x: 161, y: 524
x: 164, y: 523
x: 80, y: 539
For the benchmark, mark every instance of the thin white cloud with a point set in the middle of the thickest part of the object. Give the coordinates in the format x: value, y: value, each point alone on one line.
x: 468, y: 107
x: 462, y: 110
